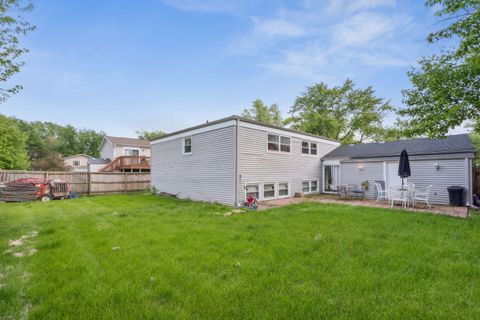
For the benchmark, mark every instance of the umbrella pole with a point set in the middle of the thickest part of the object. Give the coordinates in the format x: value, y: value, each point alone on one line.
x: 402, y: 183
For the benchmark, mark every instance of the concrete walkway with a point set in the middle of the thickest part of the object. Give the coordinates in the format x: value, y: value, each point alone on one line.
x: 459, y: 212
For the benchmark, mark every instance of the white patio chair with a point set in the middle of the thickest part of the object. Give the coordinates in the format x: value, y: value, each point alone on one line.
x: 381, y: 193
x: 423, y: 196
x: 397, y: 195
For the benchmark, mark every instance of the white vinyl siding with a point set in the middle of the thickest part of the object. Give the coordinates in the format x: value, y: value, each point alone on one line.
x: 257, y: 163
x: 208, y: 174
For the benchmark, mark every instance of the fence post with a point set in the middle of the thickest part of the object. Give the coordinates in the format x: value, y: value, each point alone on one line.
x: 45, y: 175
x: 126, y: 183
x: 89, y: 183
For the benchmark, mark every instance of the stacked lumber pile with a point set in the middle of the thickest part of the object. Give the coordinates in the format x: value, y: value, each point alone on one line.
x: 18, y: 192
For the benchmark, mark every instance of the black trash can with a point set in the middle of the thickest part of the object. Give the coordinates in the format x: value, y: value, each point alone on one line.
x: 455, y: 195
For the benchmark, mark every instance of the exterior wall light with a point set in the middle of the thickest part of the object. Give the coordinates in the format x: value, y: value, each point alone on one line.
x: 437, y: 166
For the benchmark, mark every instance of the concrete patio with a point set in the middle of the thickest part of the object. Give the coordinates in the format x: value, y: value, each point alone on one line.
x: 458, y: 212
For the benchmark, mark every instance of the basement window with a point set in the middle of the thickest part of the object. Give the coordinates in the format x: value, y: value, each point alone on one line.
x: 252, y: 190
x: 268, y: 190
x: 283, y: 189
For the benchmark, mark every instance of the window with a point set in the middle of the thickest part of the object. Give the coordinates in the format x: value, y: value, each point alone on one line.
x: 284, y: 144
x: 278, y: 143
x: 187, y: 145
x: 309, y: 148
x: 268, y: 190
x: 252, y: 190
x: 131, y: 152
x: 305, y: 148
x: 283, y: 189
x: 76, y: 163
x: 310, y: 186
x: 306, y: 186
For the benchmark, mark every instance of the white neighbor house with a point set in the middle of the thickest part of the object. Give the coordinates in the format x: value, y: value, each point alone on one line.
x: 113, y: 147
x: 226, y: 160
x: 77, y: 163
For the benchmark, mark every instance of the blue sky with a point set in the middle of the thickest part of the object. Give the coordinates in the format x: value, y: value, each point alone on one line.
x: 121, y: 66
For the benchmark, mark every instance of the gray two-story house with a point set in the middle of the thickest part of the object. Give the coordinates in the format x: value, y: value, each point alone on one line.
x: 230, y: 159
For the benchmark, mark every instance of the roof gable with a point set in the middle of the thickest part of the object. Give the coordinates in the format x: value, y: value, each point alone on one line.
x: 128, y: 141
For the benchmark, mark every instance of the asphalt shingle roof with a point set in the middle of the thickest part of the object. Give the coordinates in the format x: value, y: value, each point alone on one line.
x: 459, y: 143
x: 129, y: 141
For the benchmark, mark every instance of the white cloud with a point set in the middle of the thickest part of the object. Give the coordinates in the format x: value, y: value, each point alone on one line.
x: 277, y: 28
x: 230, y: 6
x: 358, y: 5
x: 366, y: 27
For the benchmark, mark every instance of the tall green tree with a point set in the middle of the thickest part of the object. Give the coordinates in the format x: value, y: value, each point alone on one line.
x: 13, y: 149
x: 88, y: 141
x: 150, y: 135
x: 263, y: 113
x: 446, y: 87
x: 12, y: 27
x: 343, y: 113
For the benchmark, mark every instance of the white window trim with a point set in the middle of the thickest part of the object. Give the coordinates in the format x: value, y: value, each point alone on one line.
x: 76, y: 165
x: 331, y: 163
x: 183, y: 145
x: 310, y: 186
x: 289, y: 189
x: 260, y: 189
x: 129, y: 148
x: 309, y: 154
x: 274, y: 191
x: 279, y: 143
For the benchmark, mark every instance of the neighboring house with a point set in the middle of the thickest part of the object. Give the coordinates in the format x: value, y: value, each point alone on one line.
x: 113, y: 147
x: 439, y: 162
x: 126, y: 154
x: 96, y: 164
x: 230, y: 159
x: 77, y: 163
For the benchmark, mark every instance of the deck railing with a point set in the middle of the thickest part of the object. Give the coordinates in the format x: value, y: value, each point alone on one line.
x: 128, y: 163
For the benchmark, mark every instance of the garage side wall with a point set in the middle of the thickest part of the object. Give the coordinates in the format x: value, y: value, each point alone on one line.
x: 207, y: 174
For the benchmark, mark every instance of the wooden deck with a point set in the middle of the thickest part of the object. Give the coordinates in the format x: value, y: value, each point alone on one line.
x: 128, y: 164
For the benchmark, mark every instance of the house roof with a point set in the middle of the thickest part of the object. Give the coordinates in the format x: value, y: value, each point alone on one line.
x: 128, y: 141
x: 459, y: 143
x: 78, y: 155
x: 243, y: 119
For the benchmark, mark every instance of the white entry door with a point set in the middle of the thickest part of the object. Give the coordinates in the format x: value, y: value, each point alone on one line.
x: 392, y: 175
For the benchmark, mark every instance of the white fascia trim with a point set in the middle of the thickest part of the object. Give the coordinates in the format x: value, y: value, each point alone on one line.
x: 286, y: 133
x: 189, y: 133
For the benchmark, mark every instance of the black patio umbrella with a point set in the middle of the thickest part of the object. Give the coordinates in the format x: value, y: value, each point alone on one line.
x: 404, y: 166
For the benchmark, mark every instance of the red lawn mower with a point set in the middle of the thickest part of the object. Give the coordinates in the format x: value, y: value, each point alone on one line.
x: 29, y: 189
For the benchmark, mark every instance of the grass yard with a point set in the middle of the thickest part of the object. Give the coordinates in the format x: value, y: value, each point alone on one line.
x: 141, y: 256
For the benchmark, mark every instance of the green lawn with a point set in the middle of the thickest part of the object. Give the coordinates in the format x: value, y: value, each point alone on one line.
x: 181, y: 259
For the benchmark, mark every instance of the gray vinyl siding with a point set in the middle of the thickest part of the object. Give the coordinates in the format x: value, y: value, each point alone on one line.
x: 208, y: 174
x: 107, y: 151
x: 256, y: 165
x: 451, y: 172
x: 371, y: 171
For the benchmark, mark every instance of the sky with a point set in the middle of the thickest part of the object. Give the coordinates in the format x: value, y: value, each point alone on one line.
x: 123, y: 66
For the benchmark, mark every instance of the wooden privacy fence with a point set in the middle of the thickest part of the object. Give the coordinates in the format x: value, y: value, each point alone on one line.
x: 88, y: 182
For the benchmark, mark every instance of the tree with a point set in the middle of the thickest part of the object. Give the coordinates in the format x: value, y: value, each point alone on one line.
x: 150, y: 135
x: 343, y: 113
x: 475, y: 137
x: 12, y: 25
x: 89, y: 141
x: 446, y: 87
x: 13, y: 149
x: 52, y: 162
x: 263, y: 113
